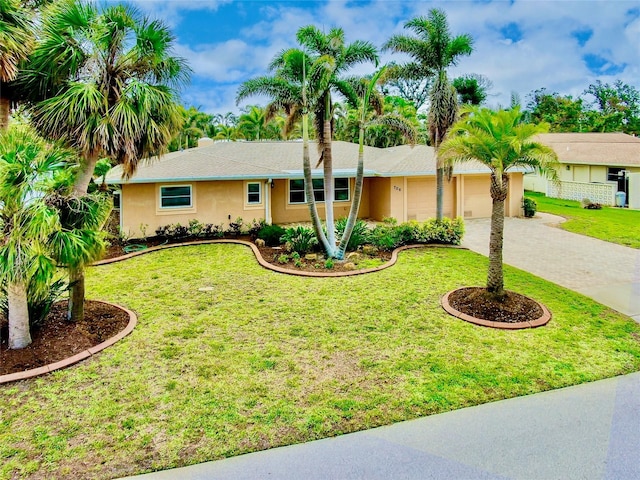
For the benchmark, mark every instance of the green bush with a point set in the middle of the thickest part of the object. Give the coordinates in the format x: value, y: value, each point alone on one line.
x: 529, y: 206
x: 283, y: 258
x: 271, y: 234
x: 359, y: 235
x: 254, y: 227
x: 446, y: 231
x: 300, y: 239
x: 388, y: 236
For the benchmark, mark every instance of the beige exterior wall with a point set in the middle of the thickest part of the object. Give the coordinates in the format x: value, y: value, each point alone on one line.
x: 285, y: 212
x: 212, y: 202
x: 403, y: 198
x: 513, y: 206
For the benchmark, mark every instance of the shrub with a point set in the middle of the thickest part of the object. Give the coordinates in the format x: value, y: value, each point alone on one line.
x: 529, y: 206
x: 283, y: 258
x: 447, y: 231
x: 195, y: 228
x: 588, y: 204
x: 300, y: 239
x: 359, y: 235
x: 210, y: 230
x: 385, y: 237
x: 255, y: 227
x: 328, y: 264
x: 271, y: 234
x: 235, y: 228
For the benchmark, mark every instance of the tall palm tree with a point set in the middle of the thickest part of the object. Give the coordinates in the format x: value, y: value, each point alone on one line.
x: 328, y: 58
x: 433, y: 50
x: 501, y: 142
x: 16, y: 38
x: 28, y: 166
x: 103, y: 82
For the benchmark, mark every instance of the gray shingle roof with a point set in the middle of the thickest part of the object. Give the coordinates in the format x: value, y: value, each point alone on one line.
x: 594, y: 148
x: 249, y: 160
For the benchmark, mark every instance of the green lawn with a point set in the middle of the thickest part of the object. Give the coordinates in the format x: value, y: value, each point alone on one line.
x: 617, y: 225
x: 268, y: 359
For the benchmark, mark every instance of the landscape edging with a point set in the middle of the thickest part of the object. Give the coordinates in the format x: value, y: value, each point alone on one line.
x: 538, y: 322
x: 34, y: 372
x: 275, y: 268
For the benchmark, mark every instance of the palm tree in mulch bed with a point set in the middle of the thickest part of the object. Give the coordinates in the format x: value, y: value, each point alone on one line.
x: 502, y: 142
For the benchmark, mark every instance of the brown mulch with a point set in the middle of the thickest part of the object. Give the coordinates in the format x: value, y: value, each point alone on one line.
x: 475, y: 301
x: 58, y: 339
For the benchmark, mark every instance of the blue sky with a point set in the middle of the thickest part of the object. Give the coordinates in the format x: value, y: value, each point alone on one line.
x: 520, y: 45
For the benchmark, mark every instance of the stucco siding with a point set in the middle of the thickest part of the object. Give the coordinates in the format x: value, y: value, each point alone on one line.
x: 379, y: 198
x: 513, y: 207
x: 477, y: 198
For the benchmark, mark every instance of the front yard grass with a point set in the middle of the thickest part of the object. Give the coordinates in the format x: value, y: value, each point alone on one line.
x: 617, y: 225
x: 267, y: 359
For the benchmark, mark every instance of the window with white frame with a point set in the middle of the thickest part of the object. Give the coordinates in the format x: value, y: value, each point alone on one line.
x: 176, y: 196
x: 613, y: 173
x: 254, y: 193
x: 117, y: 196
x: 340, y: 190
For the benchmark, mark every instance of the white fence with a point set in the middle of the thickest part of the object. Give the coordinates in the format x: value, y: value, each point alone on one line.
x: 603, y: 193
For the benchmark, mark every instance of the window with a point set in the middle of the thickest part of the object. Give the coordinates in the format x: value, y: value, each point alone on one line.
x: 613, y: 173
x: 340, y: 190
x: 175, y: 196
x: 254, y: 192
x: 116, y: 200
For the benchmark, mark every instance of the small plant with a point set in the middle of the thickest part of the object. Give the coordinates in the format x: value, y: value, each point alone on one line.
x: 295, y: 256
x: 210, y: 230
x: 283, y: 258
x: 297, y: 263
x: 143, y: 230
x: 195, y: 228
x: 254, y: 227
x: 235, y: 228
x: 271, y: 234
x: 589, y: 205
x: 328, y: 264
x: 529, y: 206
x: 359, y: 235
x: 299, y: 239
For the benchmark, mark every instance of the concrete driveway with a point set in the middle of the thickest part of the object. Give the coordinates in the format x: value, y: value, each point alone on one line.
x: 606, y: 272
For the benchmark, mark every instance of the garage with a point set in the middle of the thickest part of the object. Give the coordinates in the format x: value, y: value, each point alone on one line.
x: 421, y: 198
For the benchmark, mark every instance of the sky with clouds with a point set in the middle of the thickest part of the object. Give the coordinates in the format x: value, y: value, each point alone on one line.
x: 520, y: 45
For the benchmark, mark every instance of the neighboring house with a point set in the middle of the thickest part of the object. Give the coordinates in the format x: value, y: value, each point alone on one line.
x: 218, y: 182
x: 594, y: 166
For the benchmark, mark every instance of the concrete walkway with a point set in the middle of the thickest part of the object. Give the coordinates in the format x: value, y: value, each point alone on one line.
x: 590, y: 431
x: 607, y: 272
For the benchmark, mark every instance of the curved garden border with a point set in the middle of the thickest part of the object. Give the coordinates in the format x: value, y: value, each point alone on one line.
x: 275, y: 268
x: 34, y: 372
x: 543, y: 320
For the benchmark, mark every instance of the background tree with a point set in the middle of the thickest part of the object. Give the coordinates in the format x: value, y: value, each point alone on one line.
x: 562, y: 113
x: 16, y: 39
x: 617, y: 107
x: 256, y: 123
x: 102, y: 82
x: 501, y: 142
x: 433, y: 50
x: 472, y: 89
x: 408, y: 82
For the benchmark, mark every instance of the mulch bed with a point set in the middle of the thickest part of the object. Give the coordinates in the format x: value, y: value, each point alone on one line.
x: 476, y: 302
x: 270, y: 254
x: 58, y: 339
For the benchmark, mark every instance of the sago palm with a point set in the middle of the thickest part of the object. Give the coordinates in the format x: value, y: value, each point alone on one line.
x: 102, y: 82
x: 433, y: 50
x: 501, y: 142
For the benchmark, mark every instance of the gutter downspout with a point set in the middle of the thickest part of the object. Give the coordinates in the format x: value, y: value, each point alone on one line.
x: 267, y: 202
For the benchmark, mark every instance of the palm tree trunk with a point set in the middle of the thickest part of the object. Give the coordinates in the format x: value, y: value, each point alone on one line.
x: 328, y: 187
x: 357, y: 197
x: 75, y: 311
x: 19, y: 333
x: 308, y: 186
x: 5, y: 109
x: 495, y: 277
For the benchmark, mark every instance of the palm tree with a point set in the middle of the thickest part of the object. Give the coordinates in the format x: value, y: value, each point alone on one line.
x: 16, y: 38
x: 327, y: 57
x: 433, y: 50
x: 102, y: 82
x: 501, y: 142
x: 368, y: 96
x: 28, y: 166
